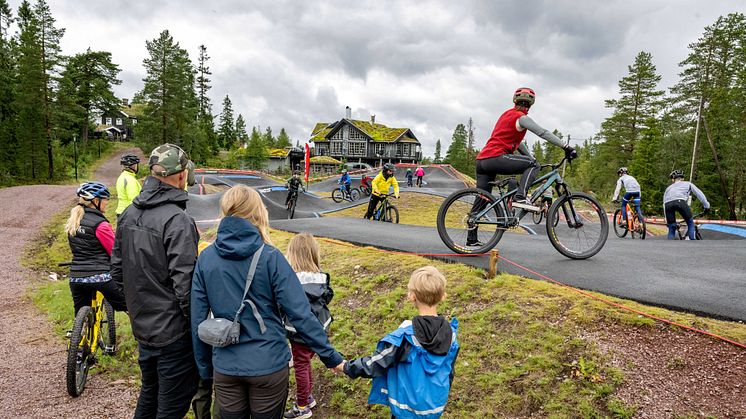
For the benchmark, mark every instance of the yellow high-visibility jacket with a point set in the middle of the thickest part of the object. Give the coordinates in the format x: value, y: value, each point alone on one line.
x: 128, y: 187
x: 381, y: 186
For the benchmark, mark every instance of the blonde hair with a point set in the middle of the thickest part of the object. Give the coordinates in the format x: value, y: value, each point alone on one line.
x: 244, y: 202
x: 76, y: 214
x: 303, y: 253
x: 428, y: 285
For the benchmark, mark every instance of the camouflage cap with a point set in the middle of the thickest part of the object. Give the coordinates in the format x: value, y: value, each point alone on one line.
x: 169, y: 156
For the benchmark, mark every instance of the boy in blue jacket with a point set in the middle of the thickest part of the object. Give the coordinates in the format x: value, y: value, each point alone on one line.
x: 413, y: 367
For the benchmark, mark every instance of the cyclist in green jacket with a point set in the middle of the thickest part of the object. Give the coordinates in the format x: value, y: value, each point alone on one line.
x: 128, y: 187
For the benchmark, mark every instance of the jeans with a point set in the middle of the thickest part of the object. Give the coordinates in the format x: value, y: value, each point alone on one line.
x: 261, y: 397
x: 680, y: 206
x: 302, y: 355
x: 633, y: 197
x: 169, y: 380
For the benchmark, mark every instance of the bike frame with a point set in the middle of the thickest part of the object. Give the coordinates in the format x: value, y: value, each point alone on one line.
x: 551, y: 179
x: 97, y: 306
x: 380, y: 211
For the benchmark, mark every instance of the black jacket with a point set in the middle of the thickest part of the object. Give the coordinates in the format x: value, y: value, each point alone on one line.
x: 153, y: 258
x: 319, y: 294
x: 89, y: 256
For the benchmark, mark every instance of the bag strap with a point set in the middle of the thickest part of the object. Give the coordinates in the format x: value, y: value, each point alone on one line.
x: 246, y: 300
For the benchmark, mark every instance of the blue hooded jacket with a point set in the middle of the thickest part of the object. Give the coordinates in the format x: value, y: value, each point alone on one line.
x: 218, y: 285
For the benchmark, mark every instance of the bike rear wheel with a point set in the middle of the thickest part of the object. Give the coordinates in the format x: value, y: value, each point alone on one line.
x: 538, y: 216
x: 456, y: 222
x: 392, y: 215
x: 354, y: 194
x: 582, y: 229
x: 619, y: 231
x: 79, y: 352
x: 108, y: 333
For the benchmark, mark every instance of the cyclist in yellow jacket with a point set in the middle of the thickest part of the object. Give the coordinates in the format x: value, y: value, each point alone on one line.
x: 128, y: 187
x: 381, y: 185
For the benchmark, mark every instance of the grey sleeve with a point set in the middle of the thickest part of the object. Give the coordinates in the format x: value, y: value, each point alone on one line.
x: 523, y: 150
x: 700, y: 195
x: 526, y: 122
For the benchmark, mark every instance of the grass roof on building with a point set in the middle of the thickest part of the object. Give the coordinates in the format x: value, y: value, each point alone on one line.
x: 134, y: 110
x: 324, y: 160
x: 278, y: 152
x: 378, y: 132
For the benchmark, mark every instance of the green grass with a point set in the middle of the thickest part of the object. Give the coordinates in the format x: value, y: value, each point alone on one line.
x: 523, y: 346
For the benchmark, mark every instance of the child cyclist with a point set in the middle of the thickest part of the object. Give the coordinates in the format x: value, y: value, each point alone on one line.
x: 631, y: 194
x: 381, y: 185
x: 293, y: 184
x: 676, y: 198
x: 409, y: 176
x: 303, y: 255
x: 413, y: 367
x: 347, y: 182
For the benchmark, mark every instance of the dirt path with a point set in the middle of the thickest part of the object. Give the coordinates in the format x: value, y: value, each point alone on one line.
x: 32, y: 366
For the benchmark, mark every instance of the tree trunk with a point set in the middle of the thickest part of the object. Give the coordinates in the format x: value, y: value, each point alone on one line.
x: 721, y: 174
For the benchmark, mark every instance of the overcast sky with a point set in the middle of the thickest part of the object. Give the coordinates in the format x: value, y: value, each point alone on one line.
x: 423, y: 65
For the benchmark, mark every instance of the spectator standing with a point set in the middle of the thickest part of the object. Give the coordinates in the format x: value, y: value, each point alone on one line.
x: 128, y: 187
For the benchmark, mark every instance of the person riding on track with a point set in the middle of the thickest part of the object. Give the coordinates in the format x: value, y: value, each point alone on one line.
x: 631, y: 193
x: 346, y: 181
x: 91, y: 239
x: 420, y: 173
x: 128, y: 187
x: 293, y: 184
x: 383, y: 181
x: 410, y: 177
x: 675, y: 200
x: 497, y: 158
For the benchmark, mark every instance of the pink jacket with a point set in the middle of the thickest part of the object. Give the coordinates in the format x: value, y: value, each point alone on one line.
x: 419, y: 172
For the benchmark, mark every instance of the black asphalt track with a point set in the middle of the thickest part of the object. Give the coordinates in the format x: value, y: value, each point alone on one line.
x: 705, y: 277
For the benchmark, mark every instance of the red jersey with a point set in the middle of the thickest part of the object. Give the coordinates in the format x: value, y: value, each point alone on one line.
x: 505, y: 138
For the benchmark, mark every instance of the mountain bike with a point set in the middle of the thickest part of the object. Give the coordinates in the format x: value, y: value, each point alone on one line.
x: 386, y: 212
x: 635, y: 222
x: 94, y: 329
x: 340, y: 194
x: 365, y: 190
x: 292, y: 203
x: 683, y: 232
x: 473, y: 220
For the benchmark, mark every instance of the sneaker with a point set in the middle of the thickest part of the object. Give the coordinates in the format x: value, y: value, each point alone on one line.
x: 298, y: 413
x: 525, y: 204
x: 474, y: 243
x: 311, y: 402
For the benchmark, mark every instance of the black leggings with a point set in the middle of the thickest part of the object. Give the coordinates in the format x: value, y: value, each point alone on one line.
x: 374, y: 201
x: 83, y: 293
x: 507, y: 164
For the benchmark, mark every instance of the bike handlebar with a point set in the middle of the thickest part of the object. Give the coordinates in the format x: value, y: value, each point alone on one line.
x: 556, y: 165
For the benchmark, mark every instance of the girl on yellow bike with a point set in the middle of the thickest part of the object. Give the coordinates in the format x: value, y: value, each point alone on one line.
x: 91, y: 239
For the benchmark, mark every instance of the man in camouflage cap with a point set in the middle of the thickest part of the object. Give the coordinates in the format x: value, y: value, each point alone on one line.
x: 154, y: 254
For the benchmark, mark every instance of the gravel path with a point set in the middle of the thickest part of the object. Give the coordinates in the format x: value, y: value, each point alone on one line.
x: 32, y: 367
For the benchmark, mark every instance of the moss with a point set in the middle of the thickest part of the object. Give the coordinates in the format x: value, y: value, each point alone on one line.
x: 324, y: 160
x: 378, y: 132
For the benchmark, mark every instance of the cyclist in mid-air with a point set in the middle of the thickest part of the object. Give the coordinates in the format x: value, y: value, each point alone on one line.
x: 383, y: 181
x: 675, y: 200
x: 128, y: 187
x: 498, y: 158
x: 91, y: 239
x: 631, y: 194
x: 293, y: 184
x: 347, y: 182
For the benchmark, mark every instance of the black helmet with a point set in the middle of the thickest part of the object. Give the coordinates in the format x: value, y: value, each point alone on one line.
x: 677, y: 174
x: 129, y: 160
x: 622, y: 170
x: 390, y: 167
x: 91, y: 190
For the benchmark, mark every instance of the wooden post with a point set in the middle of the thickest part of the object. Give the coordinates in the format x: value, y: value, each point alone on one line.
x: 494, y: 258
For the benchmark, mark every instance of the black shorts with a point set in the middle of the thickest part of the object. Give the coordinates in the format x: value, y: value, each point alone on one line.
x: 680, y: 206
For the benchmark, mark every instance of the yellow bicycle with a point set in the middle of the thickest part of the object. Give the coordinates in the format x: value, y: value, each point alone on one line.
x: 94, y: 329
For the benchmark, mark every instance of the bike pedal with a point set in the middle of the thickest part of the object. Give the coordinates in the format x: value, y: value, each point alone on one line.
x: 68, y: 334
x: 109, y: 350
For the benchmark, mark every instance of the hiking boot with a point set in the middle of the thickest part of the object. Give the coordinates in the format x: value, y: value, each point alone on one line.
x: 525, y: 204
x: 298, y: 413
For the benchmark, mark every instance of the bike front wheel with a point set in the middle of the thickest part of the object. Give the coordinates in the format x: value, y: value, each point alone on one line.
x: 79, y: 352
x: 618, y: 230
x: 459, y: 227
x: 291, y: 209
x: 391, y: 215
x: 582, y: 227
x: 337, y: 196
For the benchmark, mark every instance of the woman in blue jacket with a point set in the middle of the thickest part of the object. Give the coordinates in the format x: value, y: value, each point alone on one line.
x: 251, y: 376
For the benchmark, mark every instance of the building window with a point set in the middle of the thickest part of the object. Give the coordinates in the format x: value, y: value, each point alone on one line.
x: 108, y: 121
x: 356, y: 135
x: 404, y: 150
x: 119, y: 121
x: 337, y: 135
x: 336, y: 147
x: 356, y: 149
x: 379, y: 149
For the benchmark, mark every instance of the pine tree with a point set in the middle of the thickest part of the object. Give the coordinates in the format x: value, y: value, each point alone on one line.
x: 206, y: 118
x: 227, y: 127
x: 8, y: 146
x: 256, y: 150
x: 645, y: 168
x: 457, y: 155
x: 437, y: 158
x: 283, y: 140
x: 269, y: 139
x: 51, y: 59
x: 242, y: 137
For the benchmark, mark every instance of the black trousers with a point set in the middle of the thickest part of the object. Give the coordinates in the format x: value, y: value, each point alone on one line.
x: 261, y: 397
x: 169, y: 380
x: 372, y: 204
x: 507, y: 164
x: 83, y: 293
